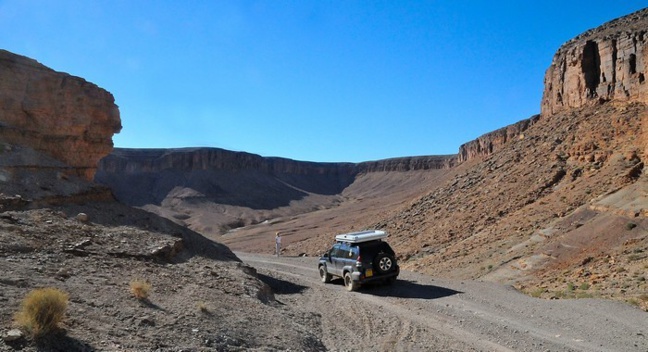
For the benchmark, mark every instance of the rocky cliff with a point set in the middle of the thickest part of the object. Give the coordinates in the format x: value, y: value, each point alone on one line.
x: 607, y: 63
x: 491, y: 142
x: 147, y: 176
x: 602, y: 64
x: 55, y: 113
x: 125, y: 160
x: 431, y: 162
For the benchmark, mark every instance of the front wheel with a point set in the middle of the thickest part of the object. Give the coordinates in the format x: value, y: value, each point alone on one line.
x: 324, y: 275
x: 349, y: 283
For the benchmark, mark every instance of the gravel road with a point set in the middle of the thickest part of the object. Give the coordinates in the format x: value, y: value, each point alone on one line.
x: 421, y: 313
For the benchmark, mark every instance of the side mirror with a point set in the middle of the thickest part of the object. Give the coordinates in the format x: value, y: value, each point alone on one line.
x: 325, y: 255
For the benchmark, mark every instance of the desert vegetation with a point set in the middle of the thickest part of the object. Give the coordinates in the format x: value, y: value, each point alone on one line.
x: 42, y: 311
x: 140, y: 289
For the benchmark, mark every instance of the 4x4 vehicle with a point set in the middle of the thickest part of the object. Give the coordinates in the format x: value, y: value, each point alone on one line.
x: 359, y: 258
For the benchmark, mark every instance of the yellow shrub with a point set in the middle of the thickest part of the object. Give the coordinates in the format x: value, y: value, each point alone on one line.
x: 42, y: 310
x: 140, y: 289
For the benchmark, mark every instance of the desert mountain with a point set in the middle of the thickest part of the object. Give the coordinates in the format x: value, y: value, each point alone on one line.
x: 553, y: 202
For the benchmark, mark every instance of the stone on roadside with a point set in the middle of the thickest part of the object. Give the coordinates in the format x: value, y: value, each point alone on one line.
x: 82, y: 217
x: 13, y: 335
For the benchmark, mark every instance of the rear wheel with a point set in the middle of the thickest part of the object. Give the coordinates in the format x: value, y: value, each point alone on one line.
x: 324, y: 275
x: 349, y: 283
x: 384, y: 263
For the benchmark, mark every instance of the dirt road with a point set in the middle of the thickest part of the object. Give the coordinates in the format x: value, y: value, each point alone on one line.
x: 420, y: 313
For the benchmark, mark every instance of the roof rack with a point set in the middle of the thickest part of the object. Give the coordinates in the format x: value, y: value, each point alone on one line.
x: 362, y: 236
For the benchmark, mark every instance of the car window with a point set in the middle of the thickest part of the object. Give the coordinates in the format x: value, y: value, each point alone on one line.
x: 344, y: 250
x: 355, y: 251
x: 335, y: 251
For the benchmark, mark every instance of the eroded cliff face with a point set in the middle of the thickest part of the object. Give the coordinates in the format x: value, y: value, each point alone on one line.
x: 491, y: 142
x: 147, y: 176
x: 55, y: 113
x: 125, y: 160
x: 608, y: 63
x: 602, y: 64
x: 431, y: 162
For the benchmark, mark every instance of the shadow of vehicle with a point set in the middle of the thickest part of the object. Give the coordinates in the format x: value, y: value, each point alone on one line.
x: 281, y: 287
x: 408, y: 289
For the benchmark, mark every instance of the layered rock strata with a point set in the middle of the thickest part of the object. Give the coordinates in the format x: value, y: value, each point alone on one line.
x: 491, y: 142
x: 191, y: 159
x: 55, y: 113
x: 602, y: 64
x: 147, y: 176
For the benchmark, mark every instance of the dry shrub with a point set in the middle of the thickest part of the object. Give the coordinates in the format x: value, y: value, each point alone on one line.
x: 202, y: 307
x: 140, y: 289
x: 42, y: 310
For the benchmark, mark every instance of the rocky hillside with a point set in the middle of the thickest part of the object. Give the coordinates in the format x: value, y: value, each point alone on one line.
x: 560, y: 210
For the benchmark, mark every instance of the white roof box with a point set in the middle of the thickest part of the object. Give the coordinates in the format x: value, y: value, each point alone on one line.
x: 362, y: 236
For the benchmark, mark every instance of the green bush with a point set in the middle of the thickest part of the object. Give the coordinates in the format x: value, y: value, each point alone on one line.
x: 42, y: 310
x: 570, y: 286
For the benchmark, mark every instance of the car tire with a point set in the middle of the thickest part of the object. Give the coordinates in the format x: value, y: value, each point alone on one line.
x: 349, y: 283
x: 324, y: 275
x: 384, y: 263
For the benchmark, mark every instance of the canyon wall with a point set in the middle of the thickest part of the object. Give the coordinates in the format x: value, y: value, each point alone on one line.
x: 602, y: 64
x: 491, y: 142
x: 607, y: 63
x: 55, y: 113
x: 431, y: 162
x: 148, y: 176
x: 124, y: 160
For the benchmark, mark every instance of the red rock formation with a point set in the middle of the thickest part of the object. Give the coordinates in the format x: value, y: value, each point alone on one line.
x: 493, y: 141
x: 431, y: 162
x: 55, y: 113
x: 602, y: 64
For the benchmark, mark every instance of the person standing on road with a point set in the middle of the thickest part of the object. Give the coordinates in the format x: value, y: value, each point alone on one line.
x: 278, y: 243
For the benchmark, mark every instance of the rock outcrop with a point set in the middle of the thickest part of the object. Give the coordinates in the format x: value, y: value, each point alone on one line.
x: 602, y: 64
x: 491, y: 142
x: 431, y: 162
x: 56, y: 114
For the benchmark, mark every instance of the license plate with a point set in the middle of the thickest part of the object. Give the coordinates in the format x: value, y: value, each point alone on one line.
x: 368, y: 272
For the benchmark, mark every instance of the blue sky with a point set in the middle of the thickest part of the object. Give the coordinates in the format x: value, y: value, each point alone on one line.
x: 307, y: 80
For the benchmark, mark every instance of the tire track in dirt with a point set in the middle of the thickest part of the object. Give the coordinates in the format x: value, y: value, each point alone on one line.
x: 419, y: 313
x: 350, y: 319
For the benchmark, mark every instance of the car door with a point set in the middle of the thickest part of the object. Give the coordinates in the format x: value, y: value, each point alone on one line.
x: 340, y: 257
x: 347, y: 257
x: 333, y: 267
